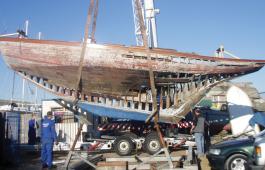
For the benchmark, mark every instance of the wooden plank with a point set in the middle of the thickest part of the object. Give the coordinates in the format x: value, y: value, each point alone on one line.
x: 154, y: 159
x: 142, y: 167
x: 112, y: 163
x: 117, y: 165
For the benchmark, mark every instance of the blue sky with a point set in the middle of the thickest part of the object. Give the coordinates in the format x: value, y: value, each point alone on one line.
x: 184, y: 25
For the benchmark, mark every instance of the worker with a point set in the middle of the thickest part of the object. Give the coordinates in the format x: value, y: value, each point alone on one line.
x: 198, y: 130
x: 48, y: 137
x: 33, y: 125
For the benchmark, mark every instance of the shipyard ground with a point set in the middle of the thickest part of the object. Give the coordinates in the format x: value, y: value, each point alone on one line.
x: 31, y: 160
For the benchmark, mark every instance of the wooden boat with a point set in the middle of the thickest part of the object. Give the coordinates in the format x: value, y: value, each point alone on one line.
x: 114, y: 69
x: 121, y: 72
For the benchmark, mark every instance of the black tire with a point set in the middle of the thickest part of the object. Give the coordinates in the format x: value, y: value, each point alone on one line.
x: 239, y: 159
x: 123, y: 145
x: 152, y: 143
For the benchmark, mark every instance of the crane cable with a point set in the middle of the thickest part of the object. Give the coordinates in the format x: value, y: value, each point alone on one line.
x: 92, y: 8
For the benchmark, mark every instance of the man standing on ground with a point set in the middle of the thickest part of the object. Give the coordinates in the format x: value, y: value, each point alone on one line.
x: 33, y: 125
x: 198, y: 130
x: 48, y: 137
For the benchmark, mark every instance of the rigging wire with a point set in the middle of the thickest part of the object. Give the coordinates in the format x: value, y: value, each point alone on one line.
x: 12, y: 93
x: 7, y: 85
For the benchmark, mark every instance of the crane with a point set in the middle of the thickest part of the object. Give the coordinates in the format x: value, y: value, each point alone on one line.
x: 149, y: 17
x: 221, y: 51
x: 20, y: 32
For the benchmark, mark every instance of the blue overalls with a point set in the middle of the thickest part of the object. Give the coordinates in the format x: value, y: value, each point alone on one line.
x: 48, y: 136
x: 32, y: 132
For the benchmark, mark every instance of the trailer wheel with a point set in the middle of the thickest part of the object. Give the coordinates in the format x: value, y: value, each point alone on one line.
x: 123, y: 145
x: 152, y: 143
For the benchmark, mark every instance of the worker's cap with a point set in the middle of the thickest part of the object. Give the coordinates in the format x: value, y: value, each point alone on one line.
x: 49, y: 113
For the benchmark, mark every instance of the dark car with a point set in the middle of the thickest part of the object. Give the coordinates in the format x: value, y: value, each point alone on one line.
x: 231, y: 154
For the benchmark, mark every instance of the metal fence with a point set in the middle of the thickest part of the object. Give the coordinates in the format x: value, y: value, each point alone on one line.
x: 66, y: 133
x: 16, y: 128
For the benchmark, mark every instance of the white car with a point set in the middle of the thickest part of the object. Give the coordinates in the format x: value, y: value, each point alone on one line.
x: 259, y: 152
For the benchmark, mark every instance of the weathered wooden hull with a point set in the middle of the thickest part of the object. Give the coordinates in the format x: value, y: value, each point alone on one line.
x: 117, y: 77
x: 112, y: 69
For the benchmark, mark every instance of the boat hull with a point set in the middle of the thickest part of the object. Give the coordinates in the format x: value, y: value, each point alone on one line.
x: 111, y: 69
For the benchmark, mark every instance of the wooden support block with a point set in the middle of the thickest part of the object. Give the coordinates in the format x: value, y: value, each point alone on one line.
x: 117, y: 165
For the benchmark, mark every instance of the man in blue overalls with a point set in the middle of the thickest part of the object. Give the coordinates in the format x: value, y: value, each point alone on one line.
x: 33, y: 125
x: 48, y: 137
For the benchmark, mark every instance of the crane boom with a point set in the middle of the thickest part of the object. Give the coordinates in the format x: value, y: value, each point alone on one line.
x: 149, y: 13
